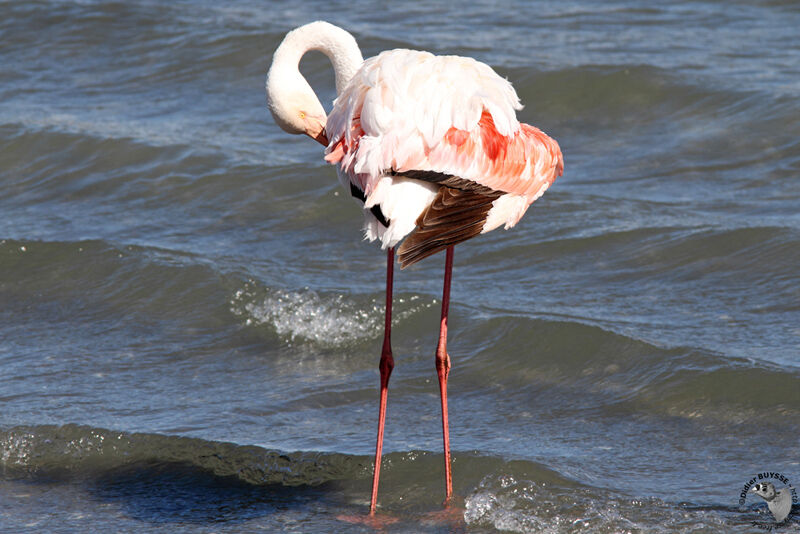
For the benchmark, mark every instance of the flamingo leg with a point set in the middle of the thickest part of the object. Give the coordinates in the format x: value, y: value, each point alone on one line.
x: 386, y: 365
x: 443, y: 369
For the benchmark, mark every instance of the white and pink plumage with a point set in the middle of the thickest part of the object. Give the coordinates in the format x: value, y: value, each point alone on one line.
x: 431, y: 147
x: 405, y: 112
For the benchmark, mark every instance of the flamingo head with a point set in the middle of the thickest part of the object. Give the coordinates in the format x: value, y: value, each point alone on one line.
x: 294, y: 106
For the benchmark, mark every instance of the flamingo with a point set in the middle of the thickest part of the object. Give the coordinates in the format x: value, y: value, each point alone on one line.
x: 430, y: 147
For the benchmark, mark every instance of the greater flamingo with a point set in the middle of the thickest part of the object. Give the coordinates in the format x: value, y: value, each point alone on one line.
x: 431, y: 148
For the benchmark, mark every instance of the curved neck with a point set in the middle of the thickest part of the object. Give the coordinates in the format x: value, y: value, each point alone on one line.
x: 340, y: 47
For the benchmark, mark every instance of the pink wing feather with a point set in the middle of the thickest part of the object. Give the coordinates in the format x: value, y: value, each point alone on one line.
x: 520, y: 164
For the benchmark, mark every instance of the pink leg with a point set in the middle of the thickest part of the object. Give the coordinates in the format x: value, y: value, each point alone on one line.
x: 386, y: 365
x: 443, y: 369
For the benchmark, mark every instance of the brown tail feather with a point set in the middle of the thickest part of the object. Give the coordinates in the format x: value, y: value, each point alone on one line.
x: 455, y: 215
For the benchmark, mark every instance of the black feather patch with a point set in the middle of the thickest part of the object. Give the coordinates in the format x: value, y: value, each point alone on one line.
x: 376, y: 209
x: 448, y: 180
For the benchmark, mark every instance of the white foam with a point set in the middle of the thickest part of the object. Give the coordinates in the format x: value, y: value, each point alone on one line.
x: 306, y: 316
x: 507, y: 504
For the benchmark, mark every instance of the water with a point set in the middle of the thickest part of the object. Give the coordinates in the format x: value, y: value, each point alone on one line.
x: 190, y: 324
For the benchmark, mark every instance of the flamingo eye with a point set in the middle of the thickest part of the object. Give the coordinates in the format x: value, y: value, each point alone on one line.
x: 302, y: 114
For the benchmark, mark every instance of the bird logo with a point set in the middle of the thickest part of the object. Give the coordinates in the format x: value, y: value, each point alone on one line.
x: 779, y: 501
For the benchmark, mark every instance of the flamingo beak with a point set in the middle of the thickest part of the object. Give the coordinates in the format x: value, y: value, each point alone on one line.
x: 322, y: 138
x: 315, y: 129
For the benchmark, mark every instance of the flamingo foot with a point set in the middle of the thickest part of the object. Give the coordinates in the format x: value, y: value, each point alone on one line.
x: 375, y: 521
x: 451, y: 516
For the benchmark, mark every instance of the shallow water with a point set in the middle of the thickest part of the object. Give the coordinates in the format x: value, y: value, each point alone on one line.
x: 190, y: 323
